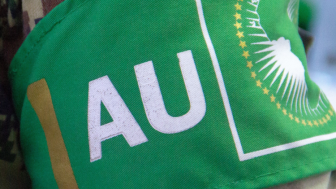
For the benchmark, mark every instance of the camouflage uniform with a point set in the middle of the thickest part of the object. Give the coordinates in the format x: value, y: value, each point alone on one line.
x: 13, y: 174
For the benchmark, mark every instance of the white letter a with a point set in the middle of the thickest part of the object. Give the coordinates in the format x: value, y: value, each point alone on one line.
x: 102, y: 90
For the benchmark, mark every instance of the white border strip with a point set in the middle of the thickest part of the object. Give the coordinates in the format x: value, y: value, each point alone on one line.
x: 220, y: 79
x: 288, y: 146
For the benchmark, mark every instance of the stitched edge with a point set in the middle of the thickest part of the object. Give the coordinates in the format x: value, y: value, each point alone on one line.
x: 272, y: 173
x: 13, y: 71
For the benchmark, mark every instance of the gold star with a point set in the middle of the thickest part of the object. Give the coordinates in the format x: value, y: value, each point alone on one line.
x: 240, y: 34
x: 253, y: 74
x: 238, y: 25
x: 324, y: 120
x: 290, y: 116
x: 242, y: 44
x: 320, y: 122
x: 238, y: 7
x: 273, y: 99
x: 304, y: 122
x: 328, y: 117
x: 278, y: 105
x: 259, y: 83
x: 297, y: 120
x: 249, y: 64
x: 310, y: 123
x: 331, y: 113
x: 246, y: 54
x: 284, y: 111
x: 237, y: 16
x: 266, y: 91
x: 315, y: 123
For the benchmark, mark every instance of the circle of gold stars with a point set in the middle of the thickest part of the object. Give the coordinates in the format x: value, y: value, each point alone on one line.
x: 240, y: 34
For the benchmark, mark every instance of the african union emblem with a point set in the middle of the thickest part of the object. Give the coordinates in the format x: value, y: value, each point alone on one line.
x: 283, y: 108
x: 279, y: 65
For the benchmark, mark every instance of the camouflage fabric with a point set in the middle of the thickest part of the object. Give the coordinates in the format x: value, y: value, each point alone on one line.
x: 17, y: 19
x: 12, y: 170
x: 34, y: 11
x: 10, y: 17
x: 10, y: 36
x: 10, y: 28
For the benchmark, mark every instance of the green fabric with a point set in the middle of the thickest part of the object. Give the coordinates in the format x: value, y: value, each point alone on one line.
x: 81, y: 41
x: 307, y: 14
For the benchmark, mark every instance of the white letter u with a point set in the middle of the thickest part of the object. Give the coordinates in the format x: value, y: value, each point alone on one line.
x: 153, y: 102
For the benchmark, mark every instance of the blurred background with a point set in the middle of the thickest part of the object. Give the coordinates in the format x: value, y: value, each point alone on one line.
x: 319, y: 18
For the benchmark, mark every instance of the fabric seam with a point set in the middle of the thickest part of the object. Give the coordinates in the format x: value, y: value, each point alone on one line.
x: 44, y: 32
x: 272, y: 173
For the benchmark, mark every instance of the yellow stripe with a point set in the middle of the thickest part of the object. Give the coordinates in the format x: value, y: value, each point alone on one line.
x: 39, y: 97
